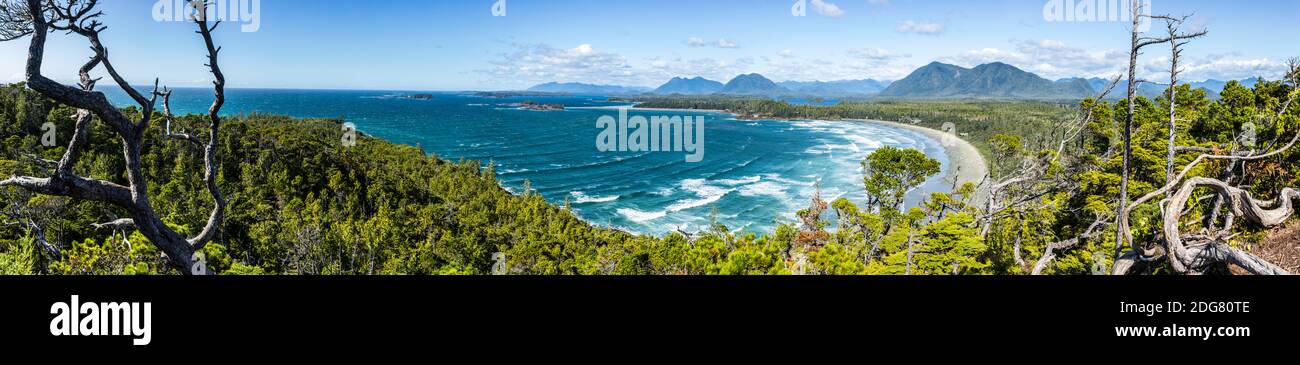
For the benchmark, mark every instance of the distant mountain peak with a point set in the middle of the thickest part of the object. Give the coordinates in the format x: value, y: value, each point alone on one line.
x: 692, y: 86
x: 841, y: 88
x: 992, y: 80
x: 588, y: 89
x: 753, y: 84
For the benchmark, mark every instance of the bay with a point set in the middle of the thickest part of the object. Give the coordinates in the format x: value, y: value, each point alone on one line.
x: 755, y: 174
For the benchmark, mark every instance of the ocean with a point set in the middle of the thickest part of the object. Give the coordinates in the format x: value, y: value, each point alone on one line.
x: 754, y: 174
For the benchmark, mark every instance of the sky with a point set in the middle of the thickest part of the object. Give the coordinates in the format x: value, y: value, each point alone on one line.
x: 464, y: 45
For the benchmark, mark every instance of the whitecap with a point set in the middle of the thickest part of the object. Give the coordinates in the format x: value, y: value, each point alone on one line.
x: 740, y: 181
x: 864, y: 141
x: 783, y: 180
x: 767, y: 188
x: 708, y: 194
x: 582, y: 198
x: 640, y: 216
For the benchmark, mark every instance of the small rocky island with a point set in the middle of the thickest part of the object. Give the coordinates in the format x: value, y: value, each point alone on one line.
x: 421, y: 97
x: 535, y: 106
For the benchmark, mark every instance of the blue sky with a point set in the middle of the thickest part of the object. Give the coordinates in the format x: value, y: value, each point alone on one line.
x: 460, y: 45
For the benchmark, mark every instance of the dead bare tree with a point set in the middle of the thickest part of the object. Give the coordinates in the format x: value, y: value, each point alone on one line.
x: 1137, y: 42
x: 1176, y: 41
x: 1198, y: 253
x: 15, y: 21
x: 1032, y: 181
x: 1033, y: 170
x: 80, y: 17
x: 1055, y: 248
x: 27, y: 217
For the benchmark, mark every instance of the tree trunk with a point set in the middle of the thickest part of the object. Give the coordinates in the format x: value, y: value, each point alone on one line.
x: 80, y: 18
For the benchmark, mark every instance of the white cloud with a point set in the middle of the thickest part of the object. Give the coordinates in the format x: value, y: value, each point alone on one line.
x: 16, y: 77
x: 539, y: 63
x: 878, y: 2
x: 1054, y: 59
x: 526, y: 65
x: 1048, y: 58
x: 720, y: 43
x: 661, y: 70
x: 875, y: 54
x: 1230, y: 69
x: 985, y: 55
x: 1223, y: 66
x: 926, y: 28
x: 824, y: 8
x: 866, y: 63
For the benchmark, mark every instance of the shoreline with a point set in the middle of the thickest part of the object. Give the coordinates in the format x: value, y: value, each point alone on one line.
x: 966, y: 164
x: 632, y: 107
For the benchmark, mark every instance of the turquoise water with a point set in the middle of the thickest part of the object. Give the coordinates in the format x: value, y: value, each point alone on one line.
x: 754, y: 173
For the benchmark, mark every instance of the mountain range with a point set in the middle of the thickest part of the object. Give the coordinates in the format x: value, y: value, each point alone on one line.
x: 933, y: 81
x: 1212, y: 87
x: 586, y: 89
x: 695, y: 86
x: 994, y: 80
x: 753, y: 85
x: 864, y: 87
x: 756, y: 84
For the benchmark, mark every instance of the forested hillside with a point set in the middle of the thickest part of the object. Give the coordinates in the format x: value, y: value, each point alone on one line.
x: 975, y: 121
x: 1058, y: 172
x: 302, y: 203
x: 993, y: 80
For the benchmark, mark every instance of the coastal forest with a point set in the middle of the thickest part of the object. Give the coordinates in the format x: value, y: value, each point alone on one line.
x: 1185, y: 183
x: 303, y: 203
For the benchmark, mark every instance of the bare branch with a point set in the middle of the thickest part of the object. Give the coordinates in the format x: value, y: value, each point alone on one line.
x: 170, y: 119
x: 79, y: 17
x: 1050, y: 253
x: 210, y: 161
x: 120, y: 224
x: 15, y: 20
x: 76, y: 187
x: 84, y: 117
x: 1267, y: 214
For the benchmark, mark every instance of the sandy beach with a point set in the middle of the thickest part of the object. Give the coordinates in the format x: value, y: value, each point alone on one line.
x: 967, y: 164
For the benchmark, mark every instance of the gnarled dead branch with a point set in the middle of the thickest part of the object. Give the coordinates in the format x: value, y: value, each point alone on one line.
x: 1054, y: 248
x: 79, y: 17
x: 1196, y: 254
x: 1200, y: 252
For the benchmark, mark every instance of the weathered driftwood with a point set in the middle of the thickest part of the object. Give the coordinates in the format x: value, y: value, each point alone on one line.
x: 1211, y: 250
x: 1188, y: 254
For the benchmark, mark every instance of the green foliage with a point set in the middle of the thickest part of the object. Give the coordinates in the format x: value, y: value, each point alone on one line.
x: 951, y: 245
x: 977, y: 121
x: 892, y: 172
x: 302, y: 203
x: 18, y: 257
